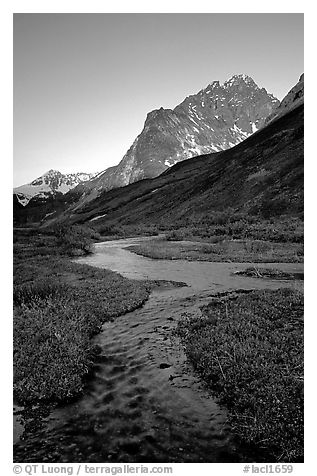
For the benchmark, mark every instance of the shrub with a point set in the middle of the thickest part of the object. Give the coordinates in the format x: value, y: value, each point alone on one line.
x: 208, y: 249
x: 108, y: 230
x: 75, y: 240
x: 175, y: 235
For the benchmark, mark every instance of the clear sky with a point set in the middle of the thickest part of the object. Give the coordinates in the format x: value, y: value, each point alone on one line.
x: 84, y: 83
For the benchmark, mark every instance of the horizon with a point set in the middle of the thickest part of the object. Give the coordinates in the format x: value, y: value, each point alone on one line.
x: 76, y: 79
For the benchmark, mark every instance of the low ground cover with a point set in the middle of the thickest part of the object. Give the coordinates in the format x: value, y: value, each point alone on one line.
x: 58, y: 306
x: 248, y: 348
x: 256, y: 251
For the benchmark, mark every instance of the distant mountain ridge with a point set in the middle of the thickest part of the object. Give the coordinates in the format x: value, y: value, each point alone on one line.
x: 48, y: 184
x: 217, y: 118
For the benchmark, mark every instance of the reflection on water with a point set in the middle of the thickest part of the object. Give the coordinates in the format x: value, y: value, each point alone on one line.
x: 144, y: 402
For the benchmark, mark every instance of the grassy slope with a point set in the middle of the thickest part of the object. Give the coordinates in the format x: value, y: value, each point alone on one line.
x: 58, y: 306
x: 249, y: 350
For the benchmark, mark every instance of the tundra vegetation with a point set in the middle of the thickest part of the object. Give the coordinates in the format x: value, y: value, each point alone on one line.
x: 218, y: 236
x: 226, y: 224
x: 241, y: 251
x: 248, y: 348
x: 58, y: 306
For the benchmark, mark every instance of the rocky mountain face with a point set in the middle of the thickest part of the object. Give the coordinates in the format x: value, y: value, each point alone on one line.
x: 294, y: 98
x: 215, y: 119
x: 49, y: 184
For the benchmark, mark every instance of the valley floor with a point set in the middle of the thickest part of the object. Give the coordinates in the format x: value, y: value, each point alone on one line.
x: 248, y: 348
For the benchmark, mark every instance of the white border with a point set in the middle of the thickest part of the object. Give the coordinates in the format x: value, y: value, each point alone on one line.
x: 163, y: 6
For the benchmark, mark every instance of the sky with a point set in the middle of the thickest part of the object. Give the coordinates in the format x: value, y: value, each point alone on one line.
x: 84, y: 83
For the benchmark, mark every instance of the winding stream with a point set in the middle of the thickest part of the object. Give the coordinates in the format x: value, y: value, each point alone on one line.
x: 144, y: 402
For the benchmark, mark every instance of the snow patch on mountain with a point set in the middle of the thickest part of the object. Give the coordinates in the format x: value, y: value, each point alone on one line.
x: 97, y: 217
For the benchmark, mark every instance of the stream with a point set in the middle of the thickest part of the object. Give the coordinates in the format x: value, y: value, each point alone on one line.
x: 144, y: 402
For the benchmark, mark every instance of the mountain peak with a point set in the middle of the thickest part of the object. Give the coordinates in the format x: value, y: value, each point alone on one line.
x: 240, y: 78
x: 235, y: 80
x: 51, y: 172
x: 158, y: 113
x: 50, y: 183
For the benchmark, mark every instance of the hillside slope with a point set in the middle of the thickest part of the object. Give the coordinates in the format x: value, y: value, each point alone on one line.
x: 293, y: 99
